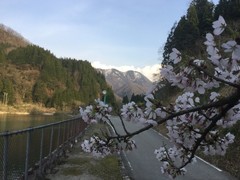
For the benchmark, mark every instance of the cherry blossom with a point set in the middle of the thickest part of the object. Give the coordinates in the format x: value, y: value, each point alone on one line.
x: 219, y: 26
x: 210, y: 40
x: 95, y: 113
x: 213, y: 96
x: 232, y: 46
x: 96, y: 146
x: 175, y: 55
x: 131, y: 112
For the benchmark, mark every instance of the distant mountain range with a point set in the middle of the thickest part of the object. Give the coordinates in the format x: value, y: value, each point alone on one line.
x: 126, y: 83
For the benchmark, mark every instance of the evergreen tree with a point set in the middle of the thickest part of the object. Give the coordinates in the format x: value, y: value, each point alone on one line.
x: 2, y: 56
x: 7, y: 91
x: 229, y: 9
x: 204, y: 10
x: 192, y: 16
x: 191, y: 29
x: 40, y: 93
x: 185, y: 35
x: 168, y: 46
x: 125, y: 100
x: 138, y: 99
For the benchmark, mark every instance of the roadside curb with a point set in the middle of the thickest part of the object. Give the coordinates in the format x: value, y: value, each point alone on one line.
x: 126, y: 170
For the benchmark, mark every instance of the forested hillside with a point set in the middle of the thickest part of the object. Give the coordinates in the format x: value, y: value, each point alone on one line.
x: 188, y: 36
x: 189, y: 33
x: 31, y: 74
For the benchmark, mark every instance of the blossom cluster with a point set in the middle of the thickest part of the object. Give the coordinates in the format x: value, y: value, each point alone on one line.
x: 96, y: 146
x: 162, y: 154
x: 193, y: 121
x: 149, y: 115
x: 96, y: 112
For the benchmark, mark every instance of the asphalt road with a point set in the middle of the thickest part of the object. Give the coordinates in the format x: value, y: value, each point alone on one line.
x: 143, y: 165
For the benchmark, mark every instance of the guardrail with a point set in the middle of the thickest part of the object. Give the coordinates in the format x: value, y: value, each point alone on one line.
x: 30, y: 153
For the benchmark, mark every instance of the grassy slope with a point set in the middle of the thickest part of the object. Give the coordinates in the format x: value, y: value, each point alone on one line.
x: 81, y: 165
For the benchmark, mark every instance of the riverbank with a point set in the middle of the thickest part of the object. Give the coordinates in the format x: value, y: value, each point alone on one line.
x: 17, y: 113
x: 26, y: 109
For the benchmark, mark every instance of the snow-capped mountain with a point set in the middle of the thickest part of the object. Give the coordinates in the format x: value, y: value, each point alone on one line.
x: 126, y: 83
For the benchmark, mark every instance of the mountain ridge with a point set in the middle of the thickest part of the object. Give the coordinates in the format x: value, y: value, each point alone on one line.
x: 11, y: 38
x: 126, y: 83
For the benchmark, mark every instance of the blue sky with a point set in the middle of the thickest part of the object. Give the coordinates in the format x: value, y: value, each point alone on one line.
x: 123, y: 34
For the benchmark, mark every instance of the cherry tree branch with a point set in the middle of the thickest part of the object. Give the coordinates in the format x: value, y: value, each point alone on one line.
x: 213, y: 123
x: 123, y: 125
x: 220, y: 103
x: 112, y: 125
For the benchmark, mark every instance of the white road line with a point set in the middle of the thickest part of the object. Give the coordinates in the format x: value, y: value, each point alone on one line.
x: 209, y: 164
x: 129, y: 164
x: 111, y: 127
x: 195, y: 155
x: 160, y: 134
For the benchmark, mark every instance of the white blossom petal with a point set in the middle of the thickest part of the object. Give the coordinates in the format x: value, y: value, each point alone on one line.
x: 219, y: 26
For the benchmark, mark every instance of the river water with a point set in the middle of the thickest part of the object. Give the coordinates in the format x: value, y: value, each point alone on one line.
x: 10, y: 122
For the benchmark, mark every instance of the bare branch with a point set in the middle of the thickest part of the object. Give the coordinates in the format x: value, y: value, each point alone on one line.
x: 123, y: 125
x: 113, y: 127
x: 231, y: 100
x: 210, y: 127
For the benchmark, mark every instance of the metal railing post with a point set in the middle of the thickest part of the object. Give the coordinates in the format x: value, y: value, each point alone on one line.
x: 27, y: 155
x: 5, y: 157
x: 64, y: 130
x: 59, y: 131
x: 75, y: 128
x: 41, y: 150
x: 51, y: 141
x: 67, y: 130
x: 70, y: 129
x: 79, y: 126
